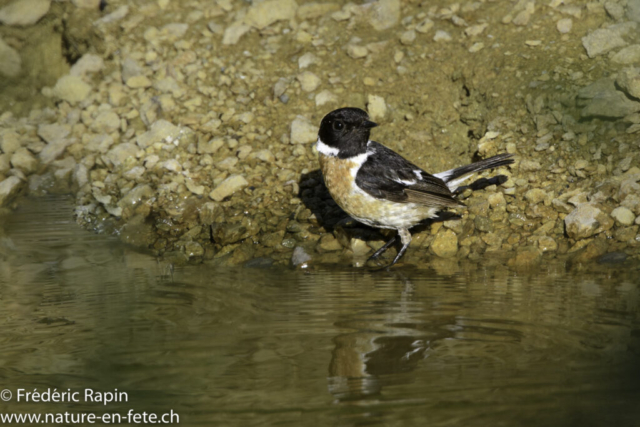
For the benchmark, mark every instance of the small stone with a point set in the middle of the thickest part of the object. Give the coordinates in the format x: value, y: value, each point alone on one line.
x: 535, y: 195
x: 172, y: 165
x: 612, y: 258
x: 161, y: 131
x: 475, y: 30
x: 114, y: 16
x: 9, y: 188
x: 315, y: 10
x: 137, y: 82
x: 526, y: 256
x: 308, y: 81
x: 614, y: 10
x: 425, y: 26
x: 623, y: 215
x: 329, y: 243
x: 228, y: 187
x: 601, y: 41
x: 9, y: 141
x: 445, y: 245
x: 530, y: 165
x: 325, y: 97
x: 564, y: 25
x: 227, y: 164
x: 265, y: 155
x: 53, y: 132
x: 233, y: 33
x: 442, y: 36
x: 22, y: 13
x: 10, y: 61
x: 106, y: 122
x: 476, y: 47
x: 261, y: 15
x: 581, y: 164
x: 119, y: 154
x: 408, y: 37
x: 303, y: 132
x: 306, y: 60
x: 628, y: 55
x: 384, y: 14
x: 629, y: 81
x: 24, y: 160
x: 547, y: 244
x: 88, y: 64
x: 355, y: 51
x: 193, y: 249
x: 376, y: 106
x: 71, y: 89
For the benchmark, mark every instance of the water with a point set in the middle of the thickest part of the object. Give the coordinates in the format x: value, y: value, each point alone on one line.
x: 480, y: 346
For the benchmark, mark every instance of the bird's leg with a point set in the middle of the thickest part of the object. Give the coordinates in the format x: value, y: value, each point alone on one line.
x: 405, y: 238
x: 382, y: 249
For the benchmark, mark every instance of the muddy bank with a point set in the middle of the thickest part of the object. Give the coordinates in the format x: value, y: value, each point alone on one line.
x: 189, y: 131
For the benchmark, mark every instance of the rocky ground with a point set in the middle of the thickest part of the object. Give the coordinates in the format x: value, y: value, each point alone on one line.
x: 187, y: 127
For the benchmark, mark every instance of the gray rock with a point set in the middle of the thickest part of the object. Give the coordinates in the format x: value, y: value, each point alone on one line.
x: 612, y: 258
x: 10, y: 61
x: 615, y: 10
x: 9, y: 188
x: 613, y: 104
x: 601, y: 41
x: 24, y: 12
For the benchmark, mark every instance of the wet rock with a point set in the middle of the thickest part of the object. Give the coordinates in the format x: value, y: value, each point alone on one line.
x: 358, y: 246
x: 384, y: 14
x: 601, y: 41
x: 228, y: 187
x: 329, y: 243
x: 629, y: 81
x: 134, y: 198
x: 210, y: 213
x: 601, y: 99
x: 308, y: 81
x: 628, y: 55
x: 547, y: 244
x: 71, y: 89
x: 228, y: 234
x: 612, y: 258
x: 9, y: 188
x: 586, y: 220
x: 271, y: 240
x: 24, y: 160
x: 10, y: 61
x: 24, y: 12
x: 623, y: 215
x: 445, y: 245
x: 302, y: 131
x: 260, y: 262
x: 376, y: 106
x: 526, y: 256
x: 300, y: 257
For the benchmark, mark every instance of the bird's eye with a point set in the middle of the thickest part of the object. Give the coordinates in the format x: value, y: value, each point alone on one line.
x: 338, y: 125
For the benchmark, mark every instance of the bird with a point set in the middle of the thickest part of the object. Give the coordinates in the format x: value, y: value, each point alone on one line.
x: 379, y: 188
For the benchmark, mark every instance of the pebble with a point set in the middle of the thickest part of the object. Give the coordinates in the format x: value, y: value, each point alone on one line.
x: 24, y: 160
x: 10, y: 61
x: 106, y: 122
x: 119, y: 154
x: 9, y: 188
x: 442, y: 36
x: 325, y: 97
x: 172, y: 165
x: 315, y: 10
x: 376, y: 106
x: 227, y: 187
x: 623, y: 215
x: 71, y: 89
x: 114, y: 16
x: 356, y: 51
x: 306, y: 60
x: 161, y: 130
x: 564, y: 25
x: 88, y: 64
x: 547, y: 244
x: 302, y: 131
x: 408, y: 37
x: 425, y: 26
x: 137, y: 82
x: 384, y: 14
x: 308, y: 81
x: 261, y: 15
x: 22, y: 13
x: 535, y: 195
x: 234, y: 32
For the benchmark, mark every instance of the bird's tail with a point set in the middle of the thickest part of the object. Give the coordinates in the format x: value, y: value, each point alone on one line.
x: 454, y: 177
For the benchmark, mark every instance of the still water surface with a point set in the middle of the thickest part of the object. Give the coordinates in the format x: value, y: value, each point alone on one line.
x: 473, y: 346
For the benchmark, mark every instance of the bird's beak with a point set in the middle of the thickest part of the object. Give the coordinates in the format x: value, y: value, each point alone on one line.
x: 369, y: 124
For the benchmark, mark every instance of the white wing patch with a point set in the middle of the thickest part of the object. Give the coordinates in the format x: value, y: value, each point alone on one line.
x: 453, y: 185
x: 405, y: 182
x: 325, y: 149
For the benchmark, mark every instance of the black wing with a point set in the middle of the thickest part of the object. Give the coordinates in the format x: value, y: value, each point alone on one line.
x: 387, y: 175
